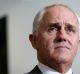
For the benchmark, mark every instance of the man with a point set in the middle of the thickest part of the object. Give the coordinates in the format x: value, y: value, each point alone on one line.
x: 56, y: 39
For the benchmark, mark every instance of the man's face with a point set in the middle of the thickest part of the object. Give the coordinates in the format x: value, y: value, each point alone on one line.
x: 57, y: 36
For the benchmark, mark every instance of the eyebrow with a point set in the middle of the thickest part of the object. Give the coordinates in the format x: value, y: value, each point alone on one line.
x: 58, y: 25
x: 70, y: 25
x: 54, y: 25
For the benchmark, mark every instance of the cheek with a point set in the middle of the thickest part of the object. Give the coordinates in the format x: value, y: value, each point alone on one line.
x: 74, y: 42
x: 46, y: 42
x: 48, y: 47
x: 49, y: 44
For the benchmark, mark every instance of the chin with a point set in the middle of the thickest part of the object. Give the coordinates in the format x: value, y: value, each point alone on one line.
x: 61, y: 59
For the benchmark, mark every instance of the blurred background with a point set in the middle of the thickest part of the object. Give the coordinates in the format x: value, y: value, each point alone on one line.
x: 16, y: 16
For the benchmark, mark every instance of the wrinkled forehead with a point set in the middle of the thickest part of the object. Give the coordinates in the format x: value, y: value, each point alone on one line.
x: 59, y: 14
x: 59, y: 8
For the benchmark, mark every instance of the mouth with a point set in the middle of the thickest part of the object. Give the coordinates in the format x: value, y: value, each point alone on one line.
x: 62, y: 47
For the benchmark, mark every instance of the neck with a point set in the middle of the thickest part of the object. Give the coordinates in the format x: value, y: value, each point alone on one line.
x: 60, y: 67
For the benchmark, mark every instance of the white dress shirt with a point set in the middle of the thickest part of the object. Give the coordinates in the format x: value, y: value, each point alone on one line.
x: 47, y: 70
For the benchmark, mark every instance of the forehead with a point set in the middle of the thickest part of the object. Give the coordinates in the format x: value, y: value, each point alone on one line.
x: 59, y: 14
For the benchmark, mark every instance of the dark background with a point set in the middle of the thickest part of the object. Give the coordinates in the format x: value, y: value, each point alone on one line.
x: 3, y: 46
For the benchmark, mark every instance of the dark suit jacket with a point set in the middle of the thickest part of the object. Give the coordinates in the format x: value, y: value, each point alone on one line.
x: 35, y: 71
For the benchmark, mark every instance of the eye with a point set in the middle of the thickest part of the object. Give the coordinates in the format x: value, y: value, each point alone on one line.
x: 51, y: 29
x: 70, y: 29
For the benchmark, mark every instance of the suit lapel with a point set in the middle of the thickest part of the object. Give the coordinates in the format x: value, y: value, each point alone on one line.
x: 35, y: 71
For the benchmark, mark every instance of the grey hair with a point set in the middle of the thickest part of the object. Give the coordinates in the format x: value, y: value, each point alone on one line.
x: 37, y: 19
x: 41, y: 13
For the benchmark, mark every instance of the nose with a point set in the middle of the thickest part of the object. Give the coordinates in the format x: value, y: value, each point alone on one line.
x: 61, y: 32
x: 60, y: 35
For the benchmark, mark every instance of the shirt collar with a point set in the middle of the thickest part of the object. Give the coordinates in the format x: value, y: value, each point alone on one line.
x: 47, y: 70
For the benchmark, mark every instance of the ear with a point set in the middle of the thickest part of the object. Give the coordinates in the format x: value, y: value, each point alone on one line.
x: 32, y: 39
